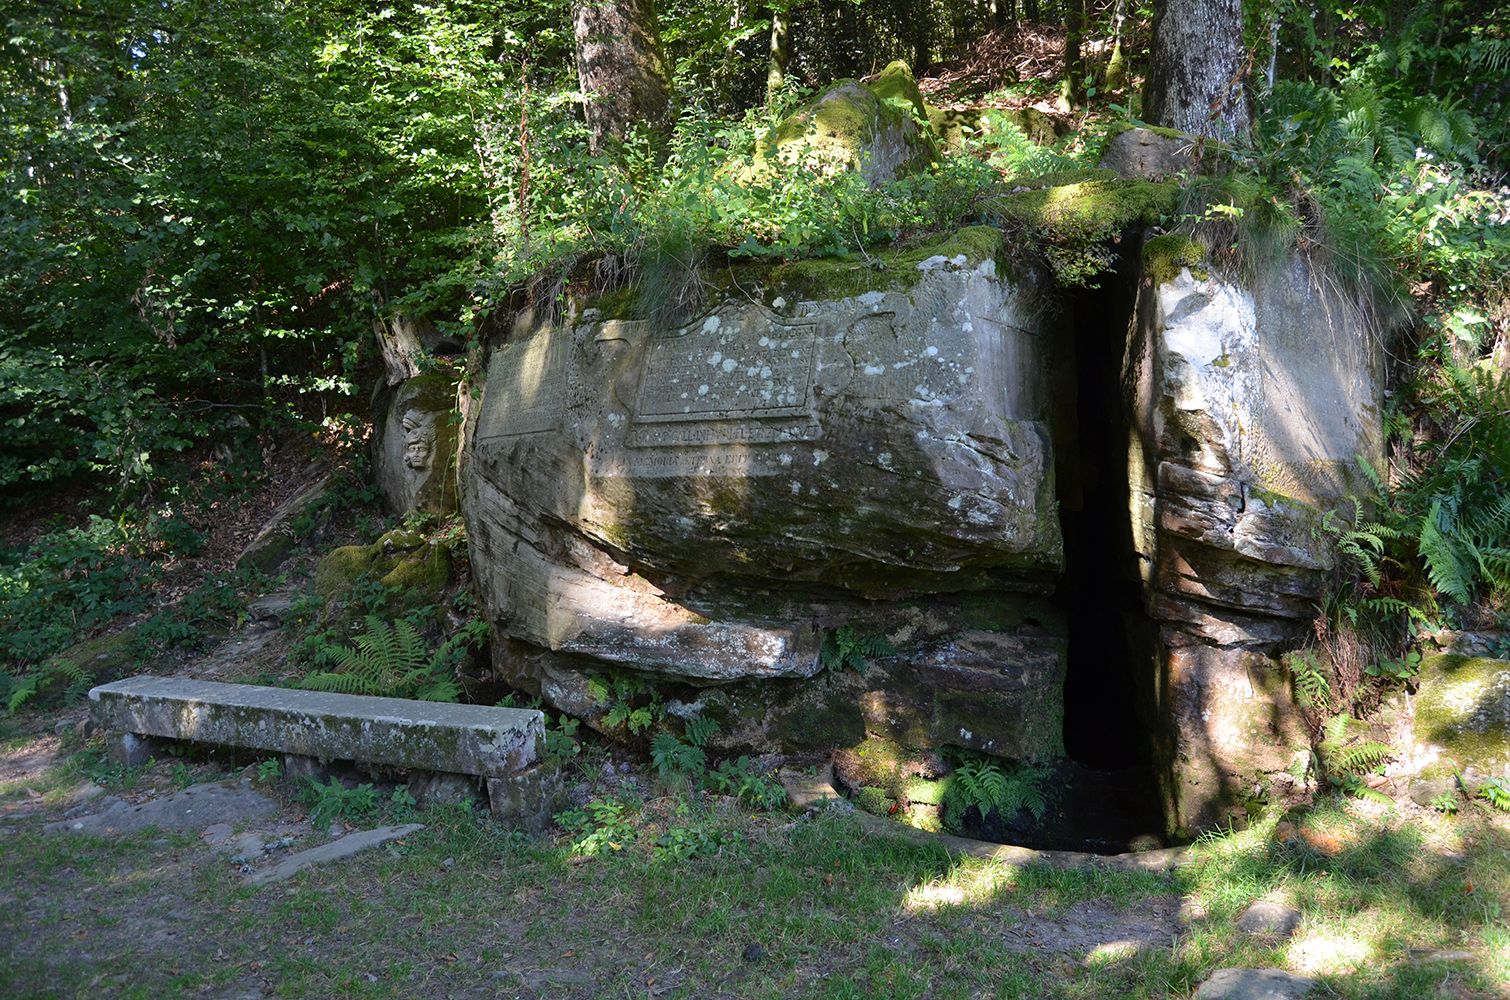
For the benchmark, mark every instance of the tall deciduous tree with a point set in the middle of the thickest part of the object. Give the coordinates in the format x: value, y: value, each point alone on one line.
x: 1196, y: 80
x: 620, y: 67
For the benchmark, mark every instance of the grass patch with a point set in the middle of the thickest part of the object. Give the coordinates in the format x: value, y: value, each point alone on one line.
x: 765, y: 907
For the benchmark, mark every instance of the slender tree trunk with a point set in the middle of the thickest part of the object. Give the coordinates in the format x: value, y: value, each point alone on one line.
x: 781, y: 54
x: 1197, y: 79
x: 1070, y: 87
x: 1030, y: 11
x: 1116, y: 67
x: 620, y: 68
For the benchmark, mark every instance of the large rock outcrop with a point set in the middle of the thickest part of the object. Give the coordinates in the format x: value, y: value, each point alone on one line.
x: 826, y: 447
x: 879, y: 130
x: 1251, y: 404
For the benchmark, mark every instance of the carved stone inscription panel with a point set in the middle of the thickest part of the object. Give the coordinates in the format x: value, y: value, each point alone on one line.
x: 714, y: 373
x: 526, y: 388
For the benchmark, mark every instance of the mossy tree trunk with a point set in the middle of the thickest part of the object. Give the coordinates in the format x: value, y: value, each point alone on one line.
x: 781, y: 51
x: 1071, y: 88
x: 1196, y: 82
x: 620, y: 68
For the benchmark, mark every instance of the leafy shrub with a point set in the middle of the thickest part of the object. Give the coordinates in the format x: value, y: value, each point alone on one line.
x: 750, y: 788
x: 330, y: 801
x: 680, y: 843
x: 600, y: 826
x: 631, y: 701
x: 676, y: 762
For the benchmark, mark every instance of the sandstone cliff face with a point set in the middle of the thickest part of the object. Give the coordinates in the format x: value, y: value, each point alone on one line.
x: 1250, y: 408
x: 871, y: 451
x: 705, y: 504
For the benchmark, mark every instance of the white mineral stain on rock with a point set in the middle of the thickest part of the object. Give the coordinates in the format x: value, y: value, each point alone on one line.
x: 872, y: 299
x: 778, y: 303
x: 874, y: 370
x: 884, y: 459
x: 702, y: 390
x: 765, y: 341
x: 710, y: 325
x: 955, y: 501
x: 819, y: 456
x: 716, y: 358
x: 796, y: 487
x: 729, y: 364
x: 785, y: 458
x: 931, y: 351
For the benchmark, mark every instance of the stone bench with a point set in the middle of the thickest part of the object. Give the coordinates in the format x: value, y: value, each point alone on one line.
x: 502, y: 746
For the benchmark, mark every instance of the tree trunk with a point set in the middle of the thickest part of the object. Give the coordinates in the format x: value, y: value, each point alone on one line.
x: 1116, y: 67
x: 1071, y: 87
x: 1196, y: 81
x: 620, y: 68
x: 781, y: 53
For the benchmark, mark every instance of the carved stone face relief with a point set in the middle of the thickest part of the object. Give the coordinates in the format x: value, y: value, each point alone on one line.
x: 419, y: 439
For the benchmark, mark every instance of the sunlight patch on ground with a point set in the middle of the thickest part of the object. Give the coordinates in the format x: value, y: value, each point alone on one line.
x: 1329, y: 952
x: 1111, y: 952
x: 975, y: 883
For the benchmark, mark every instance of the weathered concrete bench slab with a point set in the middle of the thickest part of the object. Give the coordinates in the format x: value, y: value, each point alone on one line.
x: 502, y: 745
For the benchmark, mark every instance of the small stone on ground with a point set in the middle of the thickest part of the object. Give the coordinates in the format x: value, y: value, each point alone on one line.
x: 1268, y: 917
x: 1254, y: 984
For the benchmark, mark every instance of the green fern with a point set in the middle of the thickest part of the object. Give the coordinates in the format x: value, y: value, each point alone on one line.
x: 56, y: 675
x: 1345, y: 759
x: 1312, y: 689
x: 991, y: 789
x: 844, y: 647
x: 1497, y: 793
x: 700, y: 730
x: 392, y: 659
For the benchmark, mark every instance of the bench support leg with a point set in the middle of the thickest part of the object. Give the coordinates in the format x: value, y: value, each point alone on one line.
x: 130, y: 749
x: 527, y: 800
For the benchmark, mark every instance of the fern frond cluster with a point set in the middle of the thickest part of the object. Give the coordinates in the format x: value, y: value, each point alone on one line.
x: 393, y: 659
x: 992, y: 788
x: 1344, y: 756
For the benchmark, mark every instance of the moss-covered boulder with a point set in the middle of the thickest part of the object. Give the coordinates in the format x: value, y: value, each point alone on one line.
x: 1463, y: 708
x: 405, y: 562
x: 880, y: 130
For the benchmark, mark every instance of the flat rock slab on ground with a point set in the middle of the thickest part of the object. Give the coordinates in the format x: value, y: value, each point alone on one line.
x: 348, y: 845
x: 1254, y: 984
x: 194, y: 808
x: 1099, y: 928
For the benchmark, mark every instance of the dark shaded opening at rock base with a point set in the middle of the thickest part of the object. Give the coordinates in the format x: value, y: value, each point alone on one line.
x: 1109, y: 795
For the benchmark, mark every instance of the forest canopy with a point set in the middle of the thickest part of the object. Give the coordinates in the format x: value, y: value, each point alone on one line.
x: 206, y: 206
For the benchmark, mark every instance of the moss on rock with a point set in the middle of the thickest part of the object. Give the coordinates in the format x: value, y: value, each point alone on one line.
x: 1164, y: 257
x: 1075, y: 222
x: 401, y: 561
x: 890, y: 269
x: 896, y: 85
x: 1463, y: 706
x: 340, y: 569
x: 426, y: 571
x: 849, y: 126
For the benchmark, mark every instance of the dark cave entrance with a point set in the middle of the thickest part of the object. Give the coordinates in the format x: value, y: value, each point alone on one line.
x: 1112, y: 796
